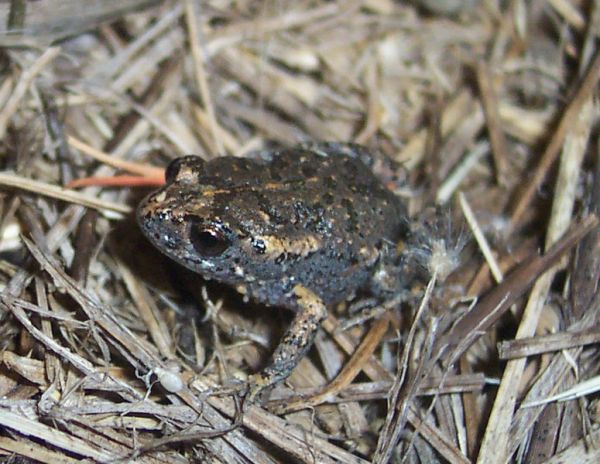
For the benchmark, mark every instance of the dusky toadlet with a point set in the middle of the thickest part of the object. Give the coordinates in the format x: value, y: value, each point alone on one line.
x: 300, y: 228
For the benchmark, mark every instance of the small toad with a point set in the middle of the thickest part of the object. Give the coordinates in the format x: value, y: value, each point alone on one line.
x: 300, y: 228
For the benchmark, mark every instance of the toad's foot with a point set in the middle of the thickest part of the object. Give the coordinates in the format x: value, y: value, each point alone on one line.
x: 293, y: 346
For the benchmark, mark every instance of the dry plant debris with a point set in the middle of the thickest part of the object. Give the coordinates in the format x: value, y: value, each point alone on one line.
x: 110, y: 353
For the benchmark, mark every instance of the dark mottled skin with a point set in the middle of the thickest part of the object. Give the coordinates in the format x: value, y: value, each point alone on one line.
x: 300, y: 228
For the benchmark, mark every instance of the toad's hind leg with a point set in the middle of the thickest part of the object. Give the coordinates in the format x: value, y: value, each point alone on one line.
x: 293, y: 346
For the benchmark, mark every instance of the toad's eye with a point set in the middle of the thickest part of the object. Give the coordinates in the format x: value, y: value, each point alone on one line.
x: 191, y: 165
x: 173, y: 169
x: 208, y: 241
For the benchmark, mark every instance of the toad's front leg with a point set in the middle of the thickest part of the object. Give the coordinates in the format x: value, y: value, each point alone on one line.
x: 293, y: 346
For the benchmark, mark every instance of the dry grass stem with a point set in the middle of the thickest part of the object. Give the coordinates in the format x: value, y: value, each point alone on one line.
x: 480, y: 238
x: 23, y: 83
x: 490, y: 108
x: 53, y: 191
x: 134, y: 168
x: 524, y: 347
x: 569, y: 118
